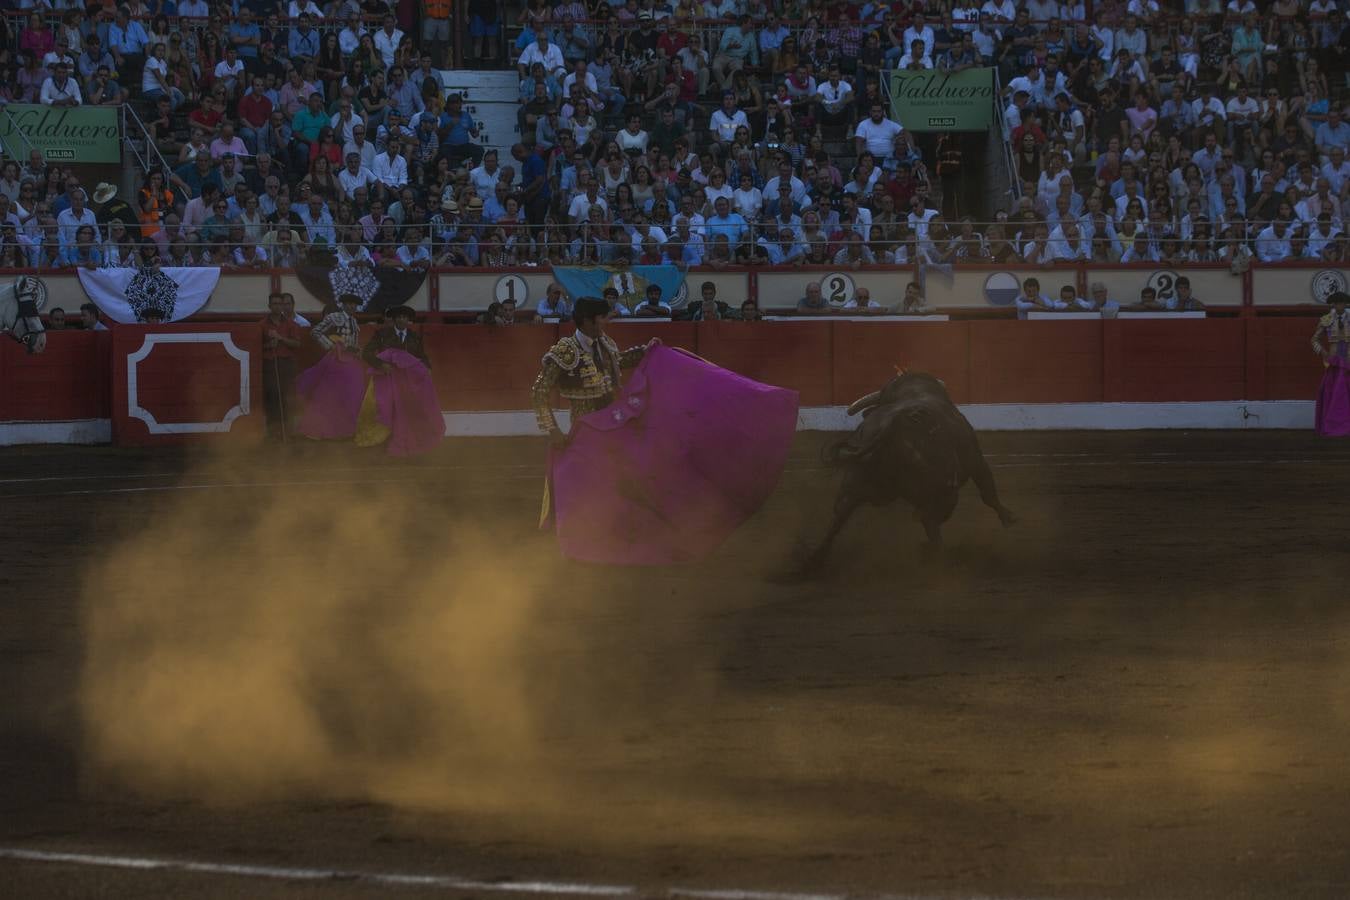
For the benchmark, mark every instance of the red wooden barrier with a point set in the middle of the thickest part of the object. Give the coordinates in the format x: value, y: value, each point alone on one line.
x: 1035, y: 362
x: 67, y: 381
x: 867, y: 353
x: 1156, y: 361
x: 202, y: 381
x: 186, y: 382
x: 794, y: 355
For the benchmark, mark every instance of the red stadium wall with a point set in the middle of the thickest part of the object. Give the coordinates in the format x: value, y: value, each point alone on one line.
x: 203, y: 381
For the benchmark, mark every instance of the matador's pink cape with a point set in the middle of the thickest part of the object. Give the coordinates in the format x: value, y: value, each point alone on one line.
x: 407, y: 405
x: 685, y: 454
x: 331, y: 391
x: 1333, y: 400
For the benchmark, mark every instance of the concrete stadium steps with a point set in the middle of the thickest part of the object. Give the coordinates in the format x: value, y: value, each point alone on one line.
x: 493, y: 100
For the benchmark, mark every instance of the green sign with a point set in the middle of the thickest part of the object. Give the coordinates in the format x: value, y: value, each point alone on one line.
x: 929, y: 100
x: 79, y: 134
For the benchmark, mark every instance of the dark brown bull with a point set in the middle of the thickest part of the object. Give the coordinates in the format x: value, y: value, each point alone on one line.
x: 913, y: 444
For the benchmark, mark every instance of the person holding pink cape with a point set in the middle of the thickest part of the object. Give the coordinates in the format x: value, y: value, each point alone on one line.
x: 331, y: 390
x: 1333, y: 399
x: 660, y: 470
x: 401, y: 409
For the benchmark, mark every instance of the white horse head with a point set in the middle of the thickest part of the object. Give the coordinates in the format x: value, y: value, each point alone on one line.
x: 20, y: 303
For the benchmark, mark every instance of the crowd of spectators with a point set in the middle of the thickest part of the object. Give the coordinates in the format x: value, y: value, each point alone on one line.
x: 732, y: 132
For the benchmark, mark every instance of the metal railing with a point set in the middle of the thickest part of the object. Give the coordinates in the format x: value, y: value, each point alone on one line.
x: 15, y: 132
x: 151, y: 155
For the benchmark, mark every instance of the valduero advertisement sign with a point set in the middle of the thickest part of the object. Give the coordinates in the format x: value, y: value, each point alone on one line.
x: 78, y: 134
x: 930, y: 100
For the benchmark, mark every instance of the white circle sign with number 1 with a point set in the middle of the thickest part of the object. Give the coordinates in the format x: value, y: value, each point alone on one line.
x: 513, y: 288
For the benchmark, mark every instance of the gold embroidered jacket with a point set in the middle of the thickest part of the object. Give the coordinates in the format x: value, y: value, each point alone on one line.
x: 1336, y: 329
x: 579, y: 380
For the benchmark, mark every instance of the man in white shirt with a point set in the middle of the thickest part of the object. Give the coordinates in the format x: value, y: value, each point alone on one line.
x: 391, y: 168
x: 60, y: 89
x: 1066, y: 242
x: 1336, y: 170
x: 387, y: 40
x: 1208, y: 158
x: 359, y: 145
x: 918, y: 31
x: 350, y: 37
x: 836, y: 98
x: 1032, y: 300
x: 71, y: 220
x: 724, y: 122
x: 785, y: 175
x: 345, y: 120
x: 876, y: 134
x: 541, y: 51
x: 1242, y: 112
x: 484, y: 177
x: 1210, y: 114
x: 354, y: 175
x: 580, y: 207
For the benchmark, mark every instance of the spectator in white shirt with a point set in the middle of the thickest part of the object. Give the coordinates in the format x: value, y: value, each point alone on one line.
x: 1273, y: 243
x: 414, y: 254
x: 918, y: 31
x: 391, y: 169
x: 229, y: 70
x: 387, y: 40
x: 543, y: 52
x: 1242, y: 112
x: 727, y: 119
x: 354, y: 175
x: 60, y: 89
x: 876, y: 134
x: 1032, y: 300
x: 836, y: 98
x: 70, y: 220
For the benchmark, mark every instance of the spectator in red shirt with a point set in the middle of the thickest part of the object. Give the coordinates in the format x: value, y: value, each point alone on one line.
x: 254, y: 111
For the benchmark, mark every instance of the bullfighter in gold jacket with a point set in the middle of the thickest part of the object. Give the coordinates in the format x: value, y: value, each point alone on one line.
x: 584, y: 366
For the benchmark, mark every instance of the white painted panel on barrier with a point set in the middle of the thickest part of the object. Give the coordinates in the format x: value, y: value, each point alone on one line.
x: 240, y: 293
x: 783, y: 288
x: 1297, y: 286
x: 988, y: 288
x: 1211, y: 286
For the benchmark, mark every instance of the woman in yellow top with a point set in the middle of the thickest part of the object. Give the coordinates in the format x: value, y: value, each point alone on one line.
x: 1333, y: 399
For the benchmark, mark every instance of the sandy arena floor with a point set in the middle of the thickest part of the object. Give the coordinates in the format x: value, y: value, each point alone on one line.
x: 332, y: 672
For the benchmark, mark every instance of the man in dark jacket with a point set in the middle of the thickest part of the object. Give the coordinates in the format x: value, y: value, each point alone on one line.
x: 395, y: 336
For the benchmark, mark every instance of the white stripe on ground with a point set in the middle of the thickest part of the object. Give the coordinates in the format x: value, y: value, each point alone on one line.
x: 408, y: 879
x: 536, y: 473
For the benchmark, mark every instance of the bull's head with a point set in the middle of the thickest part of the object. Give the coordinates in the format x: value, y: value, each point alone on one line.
x: 892, y: 390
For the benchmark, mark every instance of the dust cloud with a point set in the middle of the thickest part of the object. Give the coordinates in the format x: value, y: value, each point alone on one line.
x: 415, y: 645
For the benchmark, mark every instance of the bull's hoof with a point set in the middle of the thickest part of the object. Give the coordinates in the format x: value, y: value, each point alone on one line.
x: 1007, y: 518
x: 930, y: 552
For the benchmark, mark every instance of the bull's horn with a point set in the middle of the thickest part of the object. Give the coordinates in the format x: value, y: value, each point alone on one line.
x: 864, y: 402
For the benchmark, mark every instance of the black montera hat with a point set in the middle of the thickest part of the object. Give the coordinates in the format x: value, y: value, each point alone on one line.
x: 589, y: 308
x: 1338, y: 297
x: 394, y: 312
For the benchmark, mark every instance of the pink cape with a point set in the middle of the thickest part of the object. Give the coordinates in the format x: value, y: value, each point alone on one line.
x: 685, y: 454
x: 1333, y: 401
x: 407, y: 405
x: 331, y: 391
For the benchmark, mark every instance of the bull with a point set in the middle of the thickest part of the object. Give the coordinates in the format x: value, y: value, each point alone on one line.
x: 913, y: 444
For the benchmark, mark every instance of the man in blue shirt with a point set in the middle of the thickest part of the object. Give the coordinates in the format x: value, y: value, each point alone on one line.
x: 728, y: 223
x: 304, y: 41
x: 245, y: 35
x: 458, y: 129
x: 127, y: 40
x: 534, y: 186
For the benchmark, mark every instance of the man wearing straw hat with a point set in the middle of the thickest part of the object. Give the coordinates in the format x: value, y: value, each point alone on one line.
x: 107, y: 205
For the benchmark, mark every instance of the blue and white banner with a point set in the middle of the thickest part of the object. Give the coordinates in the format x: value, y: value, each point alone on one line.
x: 126, y: 295
x: 630, y: 281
